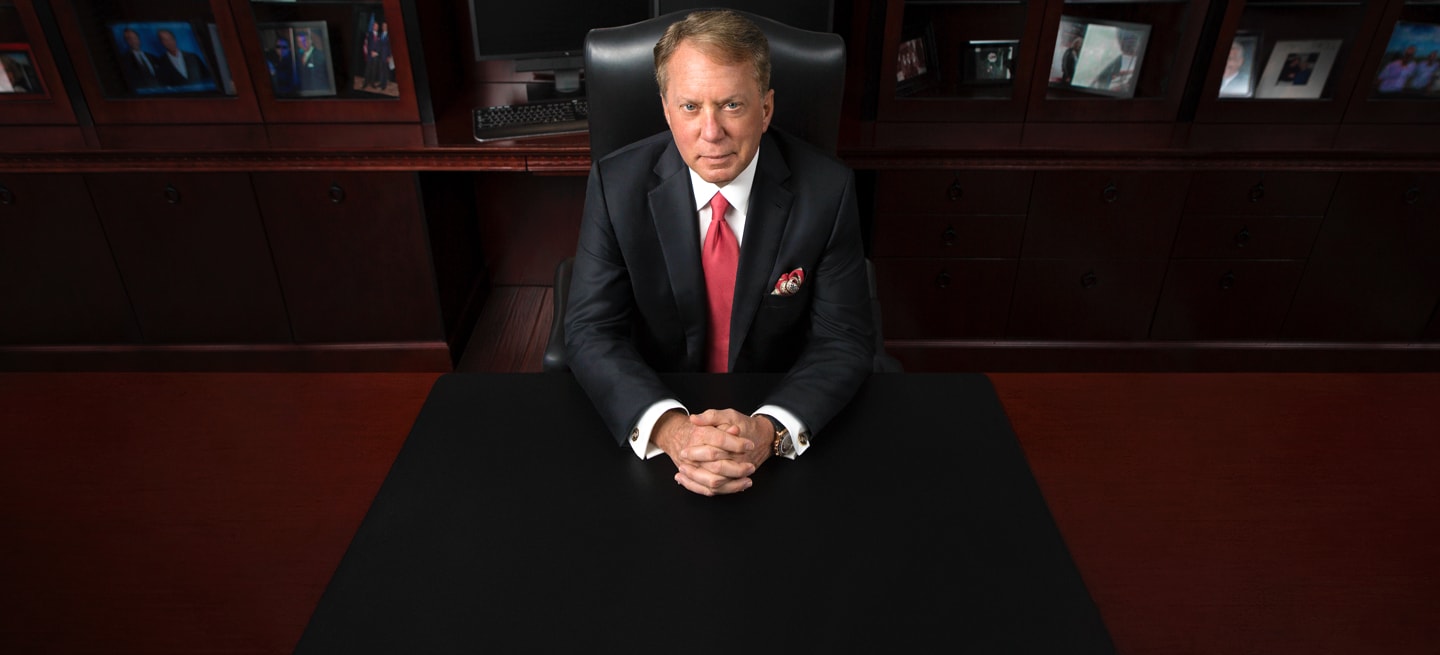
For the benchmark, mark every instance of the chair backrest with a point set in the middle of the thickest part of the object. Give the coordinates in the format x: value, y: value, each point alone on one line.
x: 807, y: 73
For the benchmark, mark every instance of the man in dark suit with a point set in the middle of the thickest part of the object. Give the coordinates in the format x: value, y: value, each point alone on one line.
x: 314, y: 70
x: 777, y: 283
x: 177, y: 67
x: 139, y: 68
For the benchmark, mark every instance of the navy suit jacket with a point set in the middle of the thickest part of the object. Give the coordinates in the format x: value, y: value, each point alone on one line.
x: 638, y: 303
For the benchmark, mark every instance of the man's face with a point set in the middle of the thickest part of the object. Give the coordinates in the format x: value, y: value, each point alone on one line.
x: 168, y: 41
x: 1234, y: 61
x: 303, y: 41
x: 282, y: 47
x: 1409, y: 54
x: 716, y: 113
x: 132, y: 39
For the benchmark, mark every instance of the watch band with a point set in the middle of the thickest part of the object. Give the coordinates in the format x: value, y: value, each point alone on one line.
x: 781, y: 446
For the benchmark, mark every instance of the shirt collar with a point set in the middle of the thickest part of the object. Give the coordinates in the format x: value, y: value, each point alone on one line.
x: 737, y: 192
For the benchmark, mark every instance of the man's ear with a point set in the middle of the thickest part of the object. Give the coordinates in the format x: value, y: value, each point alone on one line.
x: 769, y: 105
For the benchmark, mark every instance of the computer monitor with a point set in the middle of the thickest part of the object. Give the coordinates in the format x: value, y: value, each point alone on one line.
x: 547, y: 35
x: 813, y: 15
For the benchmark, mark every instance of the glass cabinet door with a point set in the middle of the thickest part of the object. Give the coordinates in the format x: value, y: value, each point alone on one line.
x: 31, y: 91
x: 329, y: 61
x: 158, y: 61
x: 1287, y: 62
x: 1400, y: 80
x: 958, y: 60
x: 1107, y: 61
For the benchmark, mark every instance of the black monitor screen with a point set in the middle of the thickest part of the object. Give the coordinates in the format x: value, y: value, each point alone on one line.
x: 517, y: 29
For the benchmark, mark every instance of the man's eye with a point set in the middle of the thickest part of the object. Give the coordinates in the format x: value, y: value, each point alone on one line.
x: 732, y: 105
x: 688, y: 106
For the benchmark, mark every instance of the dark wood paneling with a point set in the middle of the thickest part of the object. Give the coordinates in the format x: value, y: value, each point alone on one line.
x: 1226, y: 299
x: 1246, y: 237
x: 936, y: 298
x: 953, y: 192
x: 939, y: 235
x: 193, y: 254
x: 1060, y: 299
x: 58, y: 282
x: 351, y: 251
x: 1261, y: 193
x: 528, y: 223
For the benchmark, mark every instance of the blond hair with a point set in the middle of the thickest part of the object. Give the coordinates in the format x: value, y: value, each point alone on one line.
x: 724, y: 36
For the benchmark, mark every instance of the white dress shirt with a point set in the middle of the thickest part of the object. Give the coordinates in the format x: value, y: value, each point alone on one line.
x: 178, y: 61
x: 737, y: 194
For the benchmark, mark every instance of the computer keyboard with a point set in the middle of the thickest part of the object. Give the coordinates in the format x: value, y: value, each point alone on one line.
x: 531, y: 119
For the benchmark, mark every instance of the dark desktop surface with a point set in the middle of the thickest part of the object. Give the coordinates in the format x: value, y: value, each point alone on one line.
x: 511, y: 521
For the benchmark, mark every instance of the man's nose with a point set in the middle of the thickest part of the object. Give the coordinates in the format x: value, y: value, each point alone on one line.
x: 710, y: 128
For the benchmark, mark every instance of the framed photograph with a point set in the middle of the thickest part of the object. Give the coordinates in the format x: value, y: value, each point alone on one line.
x: 17, y: 71
x: 990, y: 62
x: 1098, y: 56
x: 1411, y: 67
x: 916, y: 64
x: 1297, y: 70
x: 1238, y: 80
x: 373, y: 63
x: 162, y: 58
x: 297, y: 55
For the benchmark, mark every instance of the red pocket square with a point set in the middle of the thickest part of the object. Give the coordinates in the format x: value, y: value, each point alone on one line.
x: 789, y: 283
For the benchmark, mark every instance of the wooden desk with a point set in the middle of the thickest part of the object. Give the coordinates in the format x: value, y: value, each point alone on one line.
x: 1226, y: 513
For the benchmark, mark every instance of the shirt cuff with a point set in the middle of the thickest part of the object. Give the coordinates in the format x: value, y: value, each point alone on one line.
x: 799, y: 434
x: 640, y: 436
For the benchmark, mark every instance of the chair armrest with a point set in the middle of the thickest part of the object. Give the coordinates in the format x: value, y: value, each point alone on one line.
x: 554, y: 360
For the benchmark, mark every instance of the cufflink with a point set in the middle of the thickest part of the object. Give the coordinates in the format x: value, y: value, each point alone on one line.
x: 635, y: 434
x: 805, y: 439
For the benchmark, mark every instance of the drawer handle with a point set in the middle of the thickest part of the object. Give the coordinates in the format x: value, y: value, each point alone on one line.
x: 943, y: 279
x: 1227, y: 281
x: 955, y: 192
x: 337, y: 194
x: 1257, y: 192
x: 6, y: 197
x: 1111, y: 193
x: 1089, y: 280
x: 1242, y: 238
x: 1412, y: 195
x: 172, y: 194
x: 948, y: 236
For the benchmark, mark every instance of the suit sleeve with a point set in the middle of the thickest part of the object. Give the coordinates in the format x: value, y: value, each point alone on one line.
x: 839, y: 353
x: 599, y: 320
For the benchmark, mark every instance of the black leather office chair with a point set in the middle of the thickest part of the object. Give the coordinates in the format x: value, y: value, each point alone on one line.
x: 808, y: 75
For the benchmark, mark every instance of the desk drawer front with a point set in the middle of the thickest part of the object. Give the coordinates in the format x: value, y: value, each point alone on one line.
x: 1260, y: 193
x: 1226, y: 299
x: 1066, y: 299
x: 953, y: 192
x: 1246, y: 237
x: 938, y: 235
x: 936, y: 298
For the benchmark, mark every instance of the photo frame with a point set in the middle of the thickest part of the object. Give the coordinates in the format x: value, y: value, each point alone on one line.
x: 298, y: 58
x: 1411, y: 67
x: 163, y: 58
x: 917, y: 61
x: 1098, y: 56
x: 372, y: 64
x: 1298, y: 70
x: 990, y: 62
x: 18, y: 76
x: 1238, y: 78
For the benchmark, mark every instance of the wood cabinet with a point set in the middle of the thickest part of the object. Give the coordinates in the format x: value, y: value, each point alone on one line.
x: 194, y: 256
x: 352, y: 256
x: 58, y: 281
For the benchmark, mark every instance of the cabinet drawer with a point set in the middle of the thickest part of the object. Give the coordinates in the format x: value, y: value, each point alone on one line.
x: 1391, y: 299
x: 1258, y: 193
x: 1108, y: 193
x: 1226, y: 299
x: 1063, y: 299
x: 944, y: 299
x: 1097, y: 236
x: 193, y: 255
x: 1246, y: 237
x: 1382, y: 216
x: 352, y: 254
x: 58, y: 282
x: 953, y: 192
x: 936, y: 235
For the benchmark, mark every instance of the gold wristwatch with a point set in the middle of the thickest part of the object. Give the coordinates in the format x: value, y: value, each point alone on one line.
x: 782, y: 446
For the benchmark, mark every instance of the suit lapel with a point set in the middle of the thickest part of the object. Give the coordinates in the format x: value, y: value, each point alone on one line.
x: 764, y: 226
x: 673, y: 213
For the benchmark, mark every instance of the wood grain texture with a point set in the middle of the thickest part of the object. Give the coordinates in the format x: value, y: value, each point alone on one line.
x: 1244, y: 513
x: 184, y: 513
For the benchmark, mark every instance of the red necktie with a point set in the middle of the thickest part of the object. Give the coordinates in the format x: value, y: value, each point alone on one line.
x: 720, y: 257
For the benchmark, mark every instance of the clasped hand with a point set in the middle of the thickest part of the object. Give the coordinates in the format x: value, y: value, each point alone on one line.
x: 716, y: 451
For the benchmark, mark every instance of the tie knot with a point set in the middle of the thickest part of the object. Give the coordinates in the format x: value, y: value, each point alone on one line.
x: 718, y: 206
